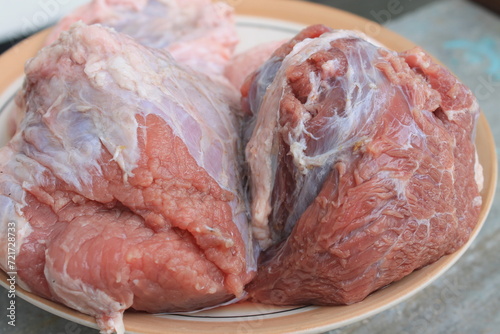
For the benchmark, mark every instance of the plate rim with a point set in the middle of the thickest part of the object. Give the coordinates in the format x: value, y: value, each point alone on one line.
x: 291, y: 11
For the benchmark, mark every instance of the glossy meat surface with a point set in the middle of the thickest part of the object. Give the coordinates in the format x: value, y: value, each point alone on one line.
x: 124, y: 182
x: 362, y: 164
x: 247, y: 62
x: 198, y: 33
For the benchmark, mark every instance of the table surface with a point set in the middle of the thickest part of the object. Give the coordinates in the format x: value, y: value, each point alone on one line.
x: 466, y: 299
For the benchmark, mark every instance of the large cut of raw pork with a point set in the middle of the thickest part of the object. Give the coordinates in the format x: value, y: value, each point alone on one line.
x: 363, y: 167
x: 198, y: 33
x: 247, y: 62
x: 123, y: 181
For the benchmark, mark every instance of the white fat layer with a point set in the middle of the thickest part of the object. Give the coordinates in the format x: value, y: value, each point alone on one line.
x: 454, y: 114
x: 14, y: 228
x: 85, y: 298
x: 112, y: 325
x: 116, y: 86
x: 367, y: 93
x: 115, y: 82
x: 104, y: 83
x: 358, y: 112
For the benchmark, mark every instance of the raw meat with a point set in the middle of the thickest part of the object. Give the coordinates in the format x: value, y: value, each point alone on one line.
x: 124, y: 183
x: 198, y: 33
x: 363, y: 167
x: 245, y: 63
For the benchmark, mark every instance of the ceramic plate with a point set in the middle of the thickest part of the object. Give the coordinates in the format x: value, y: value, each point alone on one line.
x: 260, y: 21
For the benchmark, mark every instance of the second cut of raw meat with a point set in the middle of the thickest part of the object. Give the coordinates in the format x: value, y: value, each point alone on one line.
x: 123, y: 180
x: 363, y: 167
